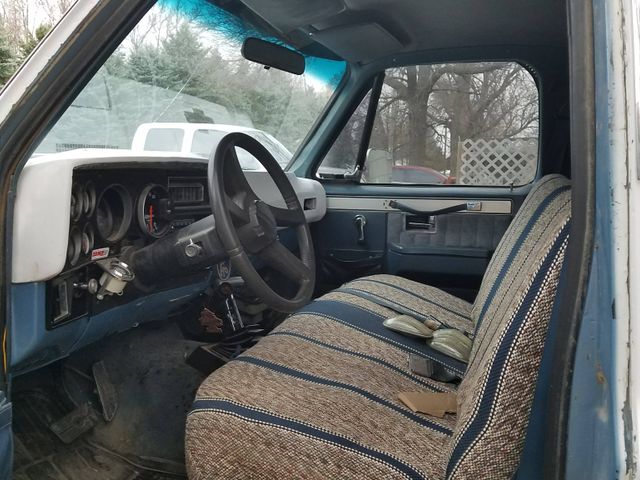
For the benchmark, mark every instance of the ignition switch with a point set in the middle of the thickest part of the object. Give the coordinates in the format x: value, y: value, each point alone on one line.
x: 115, y: 277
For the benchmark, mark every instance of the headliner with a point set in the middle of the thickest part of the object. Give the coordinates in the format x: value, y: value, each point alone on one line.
x: 364, y: 31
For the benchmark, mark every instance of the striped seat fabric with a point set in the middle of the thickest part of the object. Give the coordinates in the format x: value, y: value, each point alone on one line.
x: 318, y: 397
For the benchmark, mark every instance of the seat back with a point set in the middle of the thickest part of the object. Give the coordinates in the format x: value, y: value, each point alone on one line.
x: 512, y: 313
x: 539, y: 202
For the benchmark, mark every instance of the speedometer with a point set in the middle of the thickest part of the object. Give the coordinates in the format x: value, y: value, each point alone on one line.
x: 154, y: 211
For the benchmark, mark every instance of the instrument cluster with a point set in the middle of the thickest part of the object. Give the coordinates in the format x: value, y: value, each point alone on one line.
x: 113, y: 208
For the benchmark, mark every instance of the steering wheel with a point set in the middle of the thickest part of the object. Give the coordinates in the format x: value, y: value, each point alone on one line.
x: 248, y: 226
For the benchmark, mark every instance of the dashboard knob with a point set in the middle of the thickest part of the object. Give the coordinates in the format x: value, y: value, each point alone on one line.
x: 192, y: 250
x: 92, y: 286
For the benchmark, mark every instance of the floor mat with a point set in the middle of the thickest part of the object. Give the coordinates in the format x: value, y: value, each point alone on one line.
x: 40, y: 455
x: 144, y: 440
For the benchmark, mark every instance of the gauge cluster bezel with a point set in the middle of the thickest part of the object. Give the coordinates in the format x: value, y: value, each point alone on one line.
x: 107, y: 217
x: 157, y: 228
x: 108, y: 208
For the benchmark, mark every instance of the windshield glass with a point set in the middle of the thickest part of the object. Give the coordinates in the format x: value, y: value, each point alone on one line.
x: 178, y: 83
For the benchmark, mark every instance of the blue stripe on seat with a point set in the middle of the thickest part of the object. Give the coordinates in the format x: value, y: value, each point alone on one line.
x: 370, y: 323
x: 260, y: 416
x: 516, y: 248
x: 420, y: 420
x: 421, y: 297
x: 385, y: 302
x: 483, y: 413
x: 370, y: 358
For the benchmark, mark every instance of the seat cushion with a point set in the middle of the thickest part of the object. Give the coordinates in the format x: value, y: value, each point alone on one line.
x: 401, y: 295
x: 318, y: 399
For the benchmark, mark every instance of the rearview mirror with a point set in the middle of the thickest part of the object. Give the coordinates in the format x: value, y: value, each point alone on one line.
x: 272, y: 55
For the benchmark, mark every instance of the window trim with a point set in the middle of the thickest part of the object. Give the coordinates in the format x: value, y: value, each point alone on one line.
x: 367, y: 128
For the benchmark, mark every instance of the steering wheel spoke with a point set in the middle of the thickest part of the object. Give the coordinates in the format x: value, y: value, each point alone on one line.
x: 280, y: 258
x: 239, y: 214
x: 236, y: 184
x: 247, y: 225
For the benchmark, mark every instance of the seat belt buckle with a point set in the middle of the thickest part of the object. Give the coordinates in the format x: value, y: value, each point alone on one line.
x: 425, y: 367
x: 452, y: 343
x: 408, y: 325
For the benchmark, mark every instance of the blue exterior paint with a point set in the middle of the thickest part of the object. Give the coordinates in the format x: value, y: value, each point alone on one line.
x: 592, y: 434
x: 33, y: 346
x: 6, y: 437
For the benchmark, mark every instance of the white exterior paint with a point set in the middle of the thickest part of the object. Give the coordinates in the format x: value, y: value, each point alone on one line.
x: 623, y: 94
x: 625, y: 125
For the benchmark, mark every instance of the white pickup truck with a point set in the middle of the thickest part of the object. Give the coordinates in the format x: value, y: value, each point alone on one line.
x: 202, y: 138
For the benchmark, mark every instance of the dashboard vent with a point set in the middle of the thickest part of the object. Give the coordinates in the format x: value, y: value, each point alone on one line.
x: 186, y: 191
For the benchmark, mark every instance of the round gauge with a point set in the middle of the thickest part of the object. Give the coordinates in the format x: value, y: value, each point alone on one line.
x: 87, y: 239
x: 154, y: 211
x: 74, y: 246
x: 113, y: 213
x: 89, y: 199
x: 77, y: 203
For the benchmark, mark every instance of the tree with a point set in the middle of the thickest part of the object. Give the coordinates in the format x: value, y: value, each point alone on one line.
x: 425, y: 109
x: 18, y: 37
x: 32, y: 40
x: 14, y: 18
x: 7, y: 60
x: 54, y: 9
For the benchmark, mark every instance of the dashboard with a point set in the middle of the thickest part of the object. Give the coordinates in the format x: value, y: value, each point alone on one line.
x: 76, y: 210
x: 114, y: 209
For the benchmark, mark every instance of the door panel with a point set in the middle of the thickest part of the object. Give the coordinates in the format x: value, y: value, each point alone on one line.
x: 381, y: 202
x: 450, y: 251
x: 341, y: 253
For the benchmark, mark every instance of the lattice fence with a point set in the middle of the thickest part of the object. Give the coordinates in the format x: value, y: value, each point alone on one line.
x: 497, y: 162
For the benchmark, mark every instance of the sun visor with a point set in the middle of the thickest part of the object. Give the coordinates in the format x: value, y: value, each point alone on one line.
x: 359, y: 43
x: 287, y: 15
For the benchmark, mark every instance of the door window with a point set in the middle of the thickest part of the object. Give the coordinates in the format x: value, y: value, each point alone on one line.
x: 462, y: 123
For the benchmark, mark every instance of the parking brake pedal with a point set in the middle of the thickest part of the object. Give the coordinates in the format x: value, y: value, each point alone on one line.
x: 76, y: 423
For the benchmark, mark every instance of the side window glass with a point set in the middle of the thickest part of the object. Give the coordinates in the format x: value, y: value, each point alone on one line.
x: 462, y: 123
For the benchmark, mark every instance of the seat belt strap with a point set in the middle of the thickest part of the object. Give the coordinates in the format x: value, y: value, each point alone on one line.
x: 396, y: 307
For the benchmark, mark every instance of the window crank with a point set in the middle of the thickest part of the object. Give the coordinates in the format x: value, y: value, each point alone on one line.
x: 360, y: 221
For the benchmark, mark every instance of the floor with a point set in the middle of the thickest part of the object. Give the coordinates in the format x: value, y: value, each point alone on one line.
x: 153, y: 388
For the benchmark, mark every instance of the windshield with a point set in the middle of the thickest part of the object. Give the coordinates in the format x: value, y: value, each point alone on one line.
x: 179, y: 83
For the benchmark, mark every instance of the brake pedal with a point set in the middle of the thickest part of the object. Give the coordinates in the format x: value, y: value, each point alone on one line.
x: 107, y: 393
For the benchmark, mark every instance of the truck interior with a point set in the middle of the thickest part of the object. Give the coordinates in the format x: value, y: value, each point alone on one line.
x: 203, y: 312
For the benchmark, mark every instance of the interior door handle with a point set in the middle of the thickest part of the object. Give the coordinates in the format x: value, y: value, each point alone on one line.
x: 360, y: 221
